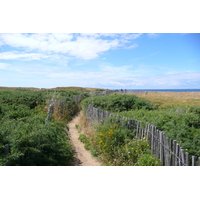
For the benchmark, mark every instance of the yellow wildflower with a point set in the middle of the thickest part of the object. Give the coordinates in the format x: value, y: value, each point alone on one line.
x: 110, y: 132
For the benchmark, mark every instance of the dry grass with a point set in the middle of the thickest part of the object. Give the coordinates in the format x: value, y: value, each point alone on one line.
x: 81, y: 89
x: 172, y: 98
x: 84, y: 126
x: 72, y: 88
x: 19, y: 88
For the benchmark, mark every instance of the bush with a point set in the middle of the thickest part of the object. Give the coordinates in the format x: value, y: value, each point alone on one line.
x: 115, y: 145
x: 83, y: 138
x: 117, y: 102
x: 148, y: 160
x: 179, y: 123
x: 31, y: 140
x: 34, y: 142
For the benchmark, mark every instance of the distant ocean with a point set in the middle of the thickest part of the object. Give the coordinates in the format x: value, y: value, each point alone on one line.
x: 164, y: 90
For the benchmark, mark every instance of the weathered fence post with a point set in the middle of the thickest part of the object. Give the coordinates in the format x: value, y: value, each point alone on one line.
x: 187, y: 159
x: 182, y: 157
x: 157, y: 144
x: 162, y: 149
x: 177, y: 155
x: 165, y: 149
x: 139, y: 129
x: 49, y: 111
x: 171, y: 151
x: 193, y: 160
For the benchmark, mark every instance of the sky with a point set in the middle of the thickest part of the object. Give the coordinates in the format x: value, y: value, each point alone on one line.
x: 100, y: 60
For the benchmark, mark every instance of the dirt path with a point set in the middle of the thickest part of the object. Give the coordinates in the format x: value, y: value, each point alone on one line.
x: 83, y: 157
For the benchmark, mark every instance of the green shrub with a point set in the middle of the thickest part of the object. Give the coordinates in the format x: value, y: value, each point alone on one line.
x: 31, y: 140
x: 148, y: 160
x: 179, y: 123
x: 34, y: 142
x: 115, y: 145
x: 117, y: 102
x: 85, y: 141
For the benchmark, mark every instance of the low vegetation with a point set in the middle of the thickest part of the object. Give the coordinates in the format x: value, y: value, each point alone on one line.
x: 167, y: 99
x: 26, y: 138
x: 179, y: 122
x: 115, y: 145
x: 118, y: 103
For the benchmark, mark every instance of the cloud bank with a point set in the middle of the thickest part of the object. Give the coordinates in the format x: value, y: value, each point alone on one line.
x: 82, y: 46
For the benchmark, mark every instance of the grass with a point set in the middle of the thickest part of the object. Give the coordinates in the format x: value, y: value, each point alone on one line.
x: 113, y: 147
x: 166, y: 99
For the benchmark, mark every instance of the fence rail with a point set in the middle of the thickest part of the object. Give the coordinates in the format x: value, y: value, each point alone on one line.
x: 167, y: 150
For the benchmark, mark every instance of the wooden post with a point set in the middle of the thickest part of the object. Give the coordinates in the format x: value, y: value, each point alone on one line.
x: 165, y: 149
x: 137, y: 129
x: 49, y: 112
x: 153, y: 136
x: 161, y: 149
x: 193, y: 160
x: 171, y: 151
x: 152, y: 139
x: 174, y: 153
x: 182, y: 157
x: 148, y: 133
x: 177, y: 153
x: 167, y: 155
x: 187, y: 158
x: 140, y: 130
x: 145, y: 131
x: 158, y: 144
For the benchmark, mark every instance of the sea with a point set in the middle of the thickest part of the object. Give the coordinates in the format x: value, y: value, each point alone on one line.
x: 163, y: 90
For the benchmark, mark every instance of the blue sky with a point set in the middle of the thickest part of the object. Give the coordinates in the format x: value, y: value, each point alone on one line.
x: 100, y: 60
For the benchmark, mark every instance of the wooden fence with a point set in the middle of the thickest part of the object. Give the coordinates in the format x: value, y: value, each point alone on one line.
x: 167, y: 150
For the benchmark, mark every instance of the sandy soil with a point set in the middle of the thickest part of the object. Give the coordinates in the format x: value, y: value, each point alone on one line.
x: 83, y: 157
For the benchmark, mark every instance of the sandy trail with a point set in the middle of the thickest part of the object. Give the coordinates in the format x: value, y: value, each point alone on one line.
x: 82, y: 156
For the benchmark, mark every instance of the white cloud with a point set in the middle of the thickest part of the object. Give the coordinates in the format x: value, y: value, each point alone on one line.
x: 89, y: 48
x: 131, y: 46
x: 131, y: 36
x: 15, y: 55
x: 125, y: 77
x: 85, y: 46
